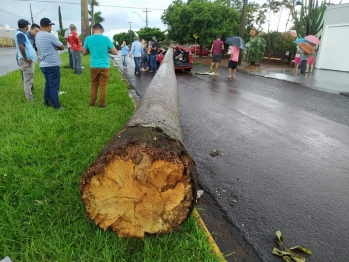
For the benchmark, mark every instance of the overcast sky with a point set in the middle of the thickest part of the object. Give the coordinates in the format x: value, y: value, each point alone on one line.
x: 117, y: 14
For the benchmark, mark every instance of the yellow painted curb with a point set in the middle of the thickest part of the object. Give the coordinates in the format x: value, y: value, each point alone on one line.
x: 210, y: 239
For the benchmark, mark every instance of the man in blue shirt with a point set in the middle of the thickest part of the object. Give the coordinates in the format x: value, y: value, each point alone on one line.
x: 136, y: 52
x: 26, y: 57
x: 99, y: 47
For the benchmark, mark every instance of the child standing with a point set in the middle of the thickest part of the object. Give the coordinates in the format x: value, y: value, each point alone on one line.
x: 297, y: 59
x: 304, y: 58
x: 233, y: 61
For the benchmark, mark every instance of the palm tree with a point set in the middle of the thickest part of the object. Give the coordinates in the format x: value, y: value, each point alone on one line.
x: 272, y: 7
x: 92, y: 3
x: 96, y: 18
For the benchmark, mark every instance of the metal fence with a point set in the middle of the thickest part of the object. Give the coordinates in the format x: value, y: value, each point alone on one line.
x: 5, y: 41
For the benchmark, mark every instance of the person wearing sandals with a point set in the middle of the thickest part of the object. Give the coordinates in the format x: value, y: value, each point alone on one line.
x: 297, y: 59
x: 233, y: 61
x: 124, y: 54
x: 311, y: 61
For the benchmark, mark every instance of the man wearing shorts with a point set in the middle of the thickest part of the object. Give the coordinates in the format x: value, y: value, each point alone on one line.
x: 233, y: 61
x: 216, y: 52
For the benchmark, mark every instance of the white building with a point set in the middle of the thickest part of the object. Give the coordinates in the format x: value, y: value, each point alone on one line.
x: 6, y: 35
x: 334, y: 52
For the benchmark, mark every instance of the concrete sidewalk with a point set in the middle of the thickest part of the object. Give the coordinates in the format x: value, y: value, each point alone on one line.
x: 336, y: 82
x: 324, y: 80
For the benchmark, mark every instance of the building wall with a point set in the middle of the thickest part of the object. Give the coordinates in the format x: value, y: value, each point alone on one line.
x: 6, y: 35
x: 336, y: 14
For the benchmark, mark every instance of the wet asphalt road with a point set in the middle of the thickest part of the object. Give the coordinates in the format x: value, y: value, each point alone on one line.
x: 7, y: 60
x: 285, y: 162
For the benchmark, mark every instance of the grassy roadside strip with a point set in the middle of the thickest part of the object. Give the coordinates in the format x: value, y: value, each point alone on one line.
x: 43, y: 153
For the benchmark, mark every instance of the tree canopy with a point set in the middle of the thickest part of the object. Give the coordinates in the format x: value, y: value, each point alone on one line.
x: 202, y: 17
x: 147, y: 33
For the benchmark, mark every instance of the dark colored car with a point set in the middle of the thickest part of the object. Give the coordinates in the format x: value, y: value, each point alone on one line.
x: 196, y: 51
x: 183, y: 60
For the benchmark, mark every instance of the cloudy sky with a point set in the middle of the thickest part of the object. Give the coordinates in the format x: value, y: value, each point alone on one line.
x: 117, y: 14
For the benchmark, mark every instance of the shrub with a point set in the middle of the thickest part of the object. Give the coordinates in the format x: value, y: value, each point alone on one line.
x: 255, y: 50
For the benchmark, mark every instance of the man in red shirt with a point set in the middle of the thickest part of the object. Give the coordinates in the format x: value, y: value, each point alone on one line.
x: 216, y: 52
x: 75, y: 47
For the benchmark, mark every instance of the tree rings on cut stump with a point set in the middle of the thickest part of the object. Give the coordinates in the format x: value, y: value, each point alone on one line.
x: 146, y: 186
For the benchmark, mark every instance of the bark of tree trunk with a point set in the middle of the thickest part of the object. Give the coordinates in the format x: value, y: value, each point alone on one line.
x: 144, y: 180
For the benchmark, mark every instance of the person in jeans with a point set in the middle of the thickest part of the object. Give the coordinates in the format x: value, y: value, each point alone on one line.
x: 26, y: 57
x: 34, y: 29
x: 304, y: 58
x: 99, y: 47
x: 136, y: 52
x: 50, y: 61
x: 153, y: 55
x: 124, y: 54
x: 76, y: 47
x: 66, y: 35
x: 216, y: 52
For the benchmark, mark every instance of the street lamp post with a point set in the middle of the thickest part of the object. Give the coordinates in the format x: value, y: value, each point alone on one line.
x: 130, y: 30
x: 31, y: 13
x: 146, y: 23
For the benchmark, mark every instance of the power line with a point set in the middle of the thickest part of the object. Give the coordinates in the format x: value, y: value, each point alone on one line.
x: 72, y: 3
x: 10, y: 13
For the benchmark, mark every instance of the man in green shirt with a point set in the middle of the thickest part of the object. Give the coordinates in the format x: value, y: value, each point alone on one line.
x: 99, y: 47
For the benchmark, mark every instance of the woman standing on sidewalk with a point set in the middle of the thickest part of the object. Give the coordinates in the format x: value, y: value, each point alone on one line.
x: 124, y: 54
x: 304, y: 58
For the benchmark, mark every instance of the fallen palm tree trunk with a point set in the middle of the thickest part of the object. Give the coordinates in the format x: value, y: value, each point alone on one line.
x: 144, y: 180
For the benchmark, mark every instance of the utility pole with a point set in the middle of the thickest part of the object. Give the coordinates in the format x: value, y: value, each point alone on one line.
x: 84, y: 19
x: 130, y: 30
x: 31, y: 13
x: 243, y: 25
x: 92, y: 15
x: 146, y: 16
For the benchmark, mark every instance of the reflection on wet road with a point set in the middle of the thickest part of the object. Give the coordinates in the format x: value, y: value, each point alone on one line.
x: 285, y: 158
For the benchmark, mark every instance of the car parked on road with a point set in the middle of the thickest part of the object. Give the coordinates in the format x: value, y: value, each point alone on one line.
x: 196, y: 50
x: 182, y: 59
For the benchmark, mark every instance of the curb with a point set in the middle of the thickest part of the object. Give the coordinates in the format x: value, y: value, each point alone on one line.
x: 215, y: 248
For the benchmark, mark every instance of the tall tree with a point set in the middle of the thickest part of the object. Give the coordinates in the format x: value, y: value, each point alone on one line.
x: 309, y: 20
x: 61, y: 32
x: 96, y: 19
x: 84, y: 19
x: 202, y: 17
x: 270, y: 7
x: 147, y: 33
x: 93, y: 3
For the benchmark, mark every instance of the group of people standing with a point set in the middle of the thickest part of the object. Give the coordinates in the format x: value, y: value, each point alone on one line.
x: 216, y: 53
x: 40, y: 44
x: 304, y: 60
x: 144, y: 55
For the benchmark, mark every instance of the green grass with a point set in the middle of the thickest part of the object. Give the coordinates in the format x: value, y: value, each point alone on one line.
x: 43, y: 153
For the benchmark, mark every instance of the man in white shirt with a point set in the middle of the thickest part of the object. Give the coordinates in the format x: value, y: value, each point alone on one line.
x: 66, y: 35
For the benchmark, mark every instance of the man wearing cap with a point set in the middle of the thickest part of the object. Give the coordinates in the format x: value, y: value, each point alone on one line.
x: 50, y: 61
x: 99, y: 47
x: 137, y: 52
x: 26, y: 57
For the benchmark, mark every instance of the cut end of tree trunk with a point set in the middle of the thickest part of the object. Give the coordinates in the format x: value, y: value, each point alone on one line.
x: 146, y: 187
